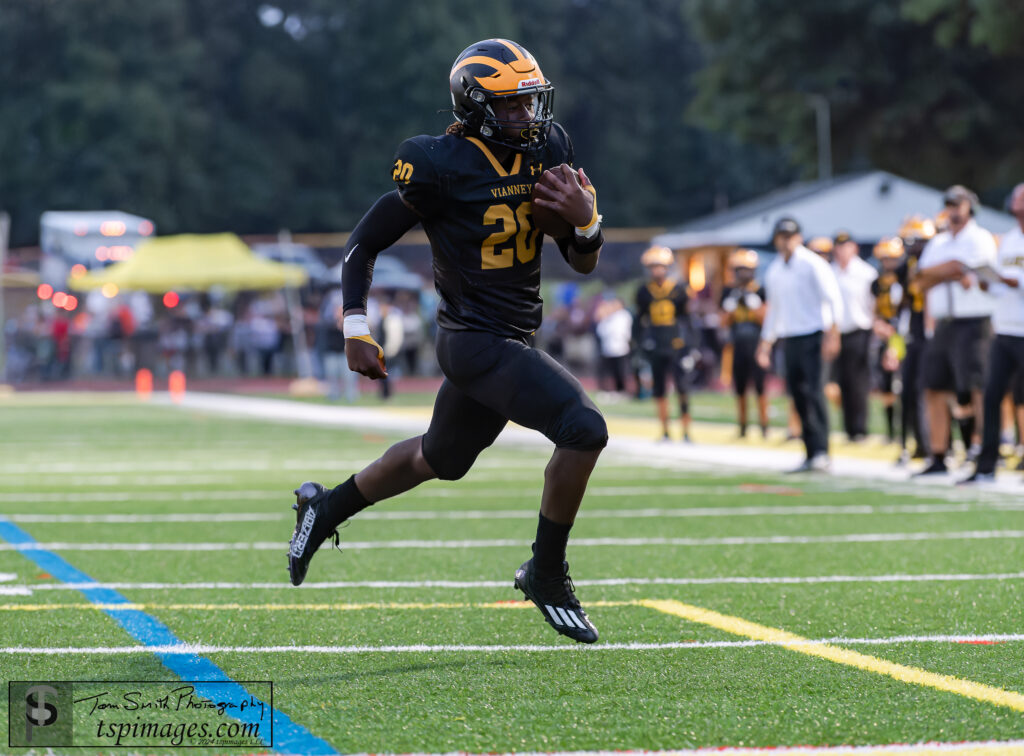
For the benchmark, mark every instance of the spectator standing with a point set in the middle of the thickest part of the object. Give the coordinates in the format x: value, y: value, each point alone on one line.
x: 614, y: 329
x: 954, y: 360
x: 1006, y: 357
x: 853, y: 366
x: 804, y: 305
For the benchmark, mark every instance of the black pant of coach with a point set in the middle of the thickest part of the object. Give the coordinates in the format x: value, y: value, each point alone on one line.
x: 853, y: 374
x: 804, y: 368
x: 1006, y: 357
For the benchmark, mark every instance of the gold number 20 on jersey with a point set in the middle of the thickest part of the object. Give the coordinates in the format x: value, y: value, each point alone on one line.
x: 494, y: 254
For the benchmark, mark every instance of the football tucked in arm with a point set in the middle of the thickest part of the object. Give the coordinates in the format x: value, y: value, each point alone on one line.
x: 548, y: 221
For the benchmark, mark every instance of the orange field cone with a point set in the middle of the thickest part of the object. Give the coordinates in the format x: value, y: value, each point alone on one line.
x: 144, y: 384
x: 176, y: 385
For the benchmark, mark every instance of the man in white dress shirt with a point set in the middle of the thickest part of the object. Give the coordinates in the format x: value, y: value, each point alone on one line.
x: 853, y: 366
x: 1006, y: 357
x: 954, y: 360
x: 804, y: 305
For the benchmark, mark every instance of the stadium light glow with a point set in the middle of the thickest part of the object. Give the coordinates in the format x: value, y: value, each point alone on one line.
x: 71, y: 303
x: 60, y: 299
x: 78, y: 270
x: 109, y: 290
x: 113, y: 228
x: 44, y: 291
x: 102, y: 254
x: 171, y: 300
x: 145, y: 228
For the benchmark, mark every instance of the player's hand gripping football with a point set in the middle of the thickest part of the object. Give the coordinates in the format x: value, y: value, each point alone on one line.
x: 560, y: 189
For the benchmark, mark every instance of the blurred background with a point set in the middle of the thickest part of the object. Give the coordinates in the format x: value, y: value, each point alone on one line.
x: 267, y: 129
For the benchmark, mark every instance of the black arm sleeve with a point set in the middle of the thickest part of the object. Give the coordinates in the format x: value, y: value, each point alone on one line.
x: 382, y: 226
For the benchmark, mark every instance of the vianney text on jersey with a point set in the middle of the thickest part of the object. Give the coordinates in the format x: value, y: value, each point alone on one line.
x: 477, y: 214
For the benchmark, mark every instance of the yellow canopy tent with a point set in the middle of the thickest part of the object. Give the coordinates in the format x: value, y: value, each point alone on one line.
x: 196, y: 262
x: 201, y: 262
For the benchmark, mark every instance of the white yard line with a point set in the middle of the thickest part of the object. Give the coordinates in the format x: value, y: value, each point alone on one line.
x: 523, y: 514
x: 598, y: 582
x: 969, y: 535
x: 197, y: 649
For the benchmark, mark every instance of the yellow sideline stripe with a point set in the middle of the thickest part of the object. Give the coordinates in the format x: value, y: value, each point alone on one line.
x: 903, y: 673
x: 288, y: 607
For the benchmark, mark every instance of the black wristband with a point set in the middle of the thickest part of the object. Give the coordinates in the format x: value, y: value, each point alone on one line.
x: 588, y: 246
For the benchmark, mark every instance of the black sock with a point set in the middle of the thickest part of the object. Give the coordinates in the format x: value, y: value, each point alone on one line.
x: 345, y: 500
x: 890, y: 420
x: 549, y: 548
x: 966, y: 430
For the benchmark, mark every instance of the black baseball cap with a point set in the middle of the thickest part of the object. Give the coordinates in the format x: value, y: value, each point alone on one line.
x: 842, y: 237
x: 785, y: 226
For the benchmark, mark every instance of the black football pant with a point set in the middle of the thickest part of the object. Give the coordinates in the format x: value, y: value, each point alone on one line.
x: 1006, y: 357
x: 491, y: 379
x: 853, y: 374
x: 804, y: 369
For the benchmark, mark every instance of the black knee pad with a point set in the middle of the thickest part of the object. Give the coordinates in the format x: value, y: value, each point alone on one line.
x: 963, y: 398
x: 450, y: 462
x: 582, y: 428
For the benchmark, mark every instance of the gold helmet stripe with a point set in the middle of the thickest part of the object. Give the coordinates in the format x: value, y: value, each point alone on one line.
x: 515, y: 48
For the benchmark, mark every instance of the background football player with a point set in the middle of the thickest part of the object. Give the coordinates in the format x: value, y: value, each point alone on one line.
x: 743, y: 308
x: 914, y: 234
x: 471, y: 191
x: 888, y: 293
x: 662, y: 325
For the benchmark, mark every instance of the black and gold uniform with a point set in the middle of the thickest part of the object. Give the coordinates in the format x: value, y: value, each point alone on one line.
x: 888, y: 293
x: 911, y: 326
x: 744, y: 306
x: 663, y: 332
x: 476, y: 213
x: 471, y: 190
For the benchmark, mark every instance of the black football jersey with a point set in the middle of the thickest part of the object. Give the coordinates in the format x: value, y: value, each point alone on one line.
x: 888, y: 292
x: 662, y: 317
x: 476, y: 213
x: 912, y: 308
x: 744, y: 305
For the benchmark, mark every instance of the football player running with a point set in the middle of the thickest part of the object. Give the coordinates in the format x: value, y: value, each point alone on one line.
x: 470, y: 189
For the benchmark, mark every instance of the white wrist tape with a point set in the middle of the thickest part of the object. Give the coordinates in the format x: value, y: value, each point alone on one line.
x: 590, y: 231
x: 355, y: 326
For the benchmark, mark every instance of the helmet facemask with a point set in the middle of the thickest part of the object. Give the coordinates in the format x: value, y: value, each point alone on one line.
x: 521, y: 136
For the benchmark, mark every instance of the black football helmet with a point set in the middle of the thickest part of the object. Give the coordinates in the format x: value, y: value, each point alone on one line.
x: 495, y: 69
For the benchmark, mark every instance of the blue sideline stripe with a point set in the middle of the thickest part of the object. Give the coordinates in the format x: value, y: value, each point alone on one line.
x: 289, y: 737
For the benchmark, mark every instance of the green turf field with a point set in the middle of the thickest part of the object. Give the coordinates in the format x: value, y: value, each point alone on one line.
x: 922, y: 596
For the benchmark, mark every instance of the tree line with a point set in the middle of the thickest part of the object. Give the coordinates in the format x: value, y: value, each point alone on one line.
x: 247, y: 115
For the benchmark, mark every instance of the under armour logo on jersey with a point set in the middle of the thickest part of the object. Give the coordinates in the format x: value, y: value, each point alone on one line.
x: 536, y: 168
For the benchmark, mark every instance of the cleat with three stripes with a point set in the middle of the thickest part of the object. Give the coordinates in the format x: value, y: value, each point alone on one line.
x: 555, y: 596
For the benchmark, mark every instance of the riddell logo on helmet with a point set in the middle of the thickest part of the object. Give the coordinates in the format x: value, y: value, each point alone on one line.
x: 529, y: 83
